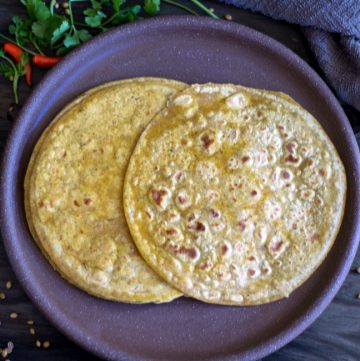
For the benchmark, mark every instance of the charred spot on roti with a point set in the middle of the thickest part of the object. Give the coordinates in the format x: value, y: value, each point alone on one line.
x: 210, y: 141
x: 291, y: 147
x: 214, y: 213
x: 293, y: 160
x: 183, y: 200
x: 87, y: 201
x: 184, y: 252
x: 160, y: 196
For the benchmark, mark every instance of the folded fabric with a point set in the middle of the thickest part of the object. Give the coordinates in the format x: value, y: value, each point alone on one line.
x: 332, y: 28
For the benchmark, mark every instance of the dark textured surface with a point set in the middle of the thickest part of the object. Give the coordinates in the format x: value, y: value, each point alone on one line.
x: 334, y: 336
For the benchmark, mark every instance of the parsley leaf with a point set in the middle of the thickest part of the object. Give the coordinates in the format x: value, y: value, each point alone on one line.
x: 127, y: 15
x: 152, y: 7
x: 94, y: 17
x: 20, y: 29
x: 44, y: 29
x: 7, y: 70
x: 116, y: 5
x: 59, y: 32
x: 84, y: 35
x: 37, y: 9
x: 71, y: 40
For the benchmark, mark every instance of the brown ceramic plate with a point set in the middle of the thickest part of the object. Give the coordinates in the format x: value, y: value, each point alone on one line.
x: 192, y: 50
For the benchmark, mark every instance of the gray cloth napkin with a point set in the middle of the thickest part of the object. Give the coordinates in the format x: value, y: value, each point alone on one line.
x: 332, y: 28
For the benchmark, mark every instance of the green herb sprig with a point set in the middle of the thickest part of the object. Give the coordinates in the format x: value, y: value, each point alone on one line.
x: 50, y: 29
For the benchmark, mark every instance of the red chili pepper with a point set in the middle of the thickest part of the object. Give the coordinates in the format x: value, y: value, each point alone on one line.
x: 45, y: 61
x: 28, y: 72
x: 16, y: 53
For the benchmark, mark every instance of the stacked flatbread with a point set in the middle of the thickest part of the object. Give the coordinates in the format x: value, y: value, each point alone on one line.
x: 146, y: 189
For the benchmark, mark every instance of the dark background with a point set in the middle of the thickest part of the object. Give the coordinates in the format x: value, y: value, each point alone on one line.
x: 335, y: 336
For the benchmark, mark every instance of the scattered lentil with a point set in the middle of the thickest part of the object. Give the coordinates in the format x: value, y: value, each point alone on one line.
x: 46, y: 344
x: 358, y: 296
x: 67, y: 11
x: 8, y: 285
x: 32, y: 331
x: 38, y: 343
x: 4, y: 353
x: 65, y: 5
x: 56, y: 5
x: 228, y: 17
x: 2, y: 296
x: 13, y: 315
x: 358, y: 270
x: 212, y: 10
x: 30, y: 322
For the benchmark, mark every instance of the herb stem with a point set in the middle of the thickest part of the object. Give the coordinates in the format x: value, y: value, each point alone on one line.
x: 83, y: 24
x: 204, y: 8
x: 15, y: 78
x: 17, y: 44
x: 71, y: 15
x: 183, y: 7
x: 111, y: 18
x: 36, y: 46
x: 52, y: 5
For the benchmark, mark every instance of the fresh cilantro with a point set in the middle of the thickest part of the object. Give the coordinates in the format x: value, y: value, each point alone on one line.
x: 47, y: 29
x: 44, y: 29
x: 84, y: 35
x: 37, y: 10
x: 116, y: 5
x: 94, y: 17
x: 59, y: 32
x: 71, y: 40
x: 152, y: 7
x: 7, y: 70
x: 20, y: 29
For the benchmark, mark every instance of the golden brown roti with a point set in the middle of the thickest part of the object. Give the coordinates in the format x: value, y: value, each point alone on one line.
x: 73, y: 190
x: 234, y: 195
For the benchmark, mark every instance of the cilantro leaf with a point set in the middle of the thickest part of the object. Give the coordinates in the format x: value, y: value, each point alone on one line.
x: 44, y: 29
x: 37, y: 9
x: 7, y: 70
x: 152, y: 7
x: 84, y: 35
x: 20, y: 29
x: 71, y: 40
x: 116, y: 5
x: 96, y: 5
x: 59, y: 32
x: 127, y: 15
x: 62, y: 51
x: 95, y: 20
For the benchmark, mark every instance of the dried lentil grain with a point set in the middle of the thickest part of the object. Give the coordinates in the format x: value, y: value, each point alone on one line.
x: 13, y: 315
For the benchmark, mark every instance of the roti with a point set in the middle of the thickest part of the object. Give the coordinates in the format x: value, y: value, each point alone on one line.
x: 73, y: 190
x: 234, y: 195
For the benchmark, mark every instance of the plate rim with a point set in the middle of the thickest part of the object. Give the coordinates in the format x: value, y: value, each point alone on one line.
x: 8, y: 228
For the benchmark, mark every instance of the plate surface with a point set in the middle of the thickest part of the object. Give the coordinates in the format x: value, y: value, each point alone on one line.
x: 192, y: 50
